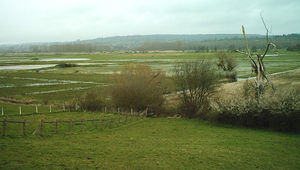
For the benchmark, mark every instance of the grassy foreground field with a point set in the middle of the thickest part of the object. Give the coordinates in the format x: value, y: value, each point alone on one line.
x: 156, y: 143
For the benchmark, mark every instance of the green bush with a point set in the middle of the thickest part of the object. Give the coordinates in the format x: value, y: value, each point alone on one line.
x: 196, y: 81
x: 277, y: 111
x: 63, y: 65
x: 93, y: 100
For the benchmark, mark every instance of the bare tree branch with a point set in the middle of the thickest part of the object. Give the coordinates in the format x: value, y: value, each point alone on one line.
x: 267, y: 37
x: 242, y: 52
x: 245, y: 41
x: 253, y: 64
x: 267, y: 49
x: 258, y: 67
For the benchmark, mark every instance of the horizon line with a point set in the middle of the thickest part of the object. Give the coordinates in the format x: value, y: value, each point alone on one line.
x: 131, y: 35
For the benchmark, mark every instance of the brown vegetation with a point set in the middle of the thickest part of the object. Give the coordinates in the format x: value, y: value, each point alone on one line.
x: 227, y: 64
x: 138, y: 87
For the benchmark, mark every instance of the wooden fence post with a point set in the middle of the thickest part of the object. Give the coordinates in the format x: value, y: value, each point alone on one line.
x: 36, y: 109
x: 41, y: 127
x: 24, y: 127
x: 2, y: 111
x: 94, y: 126
x: 50, y: 109
x: 20, y: 109
x: 56, y: 125
x: 4, y: 127
x: 81, y: 125
x: 70, y: 125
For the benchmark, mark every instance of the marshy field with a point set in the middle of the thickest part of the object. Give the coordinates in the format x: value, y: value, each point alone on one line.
x: 37, y: 87
x: 54, y: 78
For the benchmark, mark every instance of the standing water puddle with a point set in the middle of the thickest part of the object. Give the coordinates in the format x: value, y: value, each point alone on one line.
x: 64, y: 59
x: 249, y: 78
x: 26, y: 67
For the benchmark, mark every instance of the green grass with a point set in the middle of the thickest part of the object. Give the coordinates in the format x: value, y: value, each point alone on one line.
x: 156, y: 143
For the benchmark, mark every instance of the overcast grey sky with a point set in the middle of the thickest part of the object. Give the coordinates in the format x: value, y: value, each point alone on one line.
x: 67, y: 20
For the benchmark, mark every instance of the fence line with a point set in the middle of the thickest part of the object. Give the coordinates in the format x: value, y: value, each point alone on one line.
x: 4, y: 125
x: 70, y: 123
x: 35, y: 110
x: 62, y: 108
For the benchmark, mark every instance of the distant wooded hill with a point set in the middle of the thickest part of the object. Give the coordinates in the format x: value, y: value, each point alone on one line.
x: 196, y: 42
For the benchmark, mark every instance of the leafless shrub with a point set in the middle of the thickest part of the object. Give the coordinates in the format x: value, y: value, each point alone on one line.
x: 138, y: 87
x: 196, y: 81
x: 93, y: 100
x: 227, y: 64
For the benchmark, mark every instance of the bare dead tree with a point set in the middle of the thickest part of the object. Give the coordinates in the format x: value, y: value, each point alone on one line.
x: 257, y: 66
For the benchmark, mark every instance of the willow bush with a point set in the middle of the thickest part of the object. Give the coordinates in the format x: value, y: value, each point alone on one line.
x: 138, y: 87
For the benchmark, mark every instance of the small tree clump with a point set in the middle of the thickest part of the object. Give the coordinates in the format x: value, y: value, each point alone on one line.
x: 227, y: 64
x: 196, y: 81
x: 138, y: 87
x: 93, y: 100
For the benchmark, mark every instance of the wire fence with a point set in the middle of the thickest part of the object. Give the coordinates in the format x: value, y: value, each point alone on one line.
x: 25, y: 110
x: 42, y: 127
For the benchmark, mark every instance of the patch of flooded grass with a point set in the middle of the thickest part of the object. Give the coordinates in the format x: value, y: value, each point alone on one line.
x: 65, y: 59
x: 98, y: 67
x: 25, y: 67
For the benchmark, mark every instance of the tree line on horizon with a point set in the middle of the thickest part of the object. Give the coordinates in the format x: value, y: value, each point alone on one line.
x: 290, y: 42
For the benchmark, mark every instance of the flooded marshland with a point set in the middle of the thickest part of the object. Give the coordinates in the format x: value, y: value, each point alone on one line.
x: 61, y: 77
